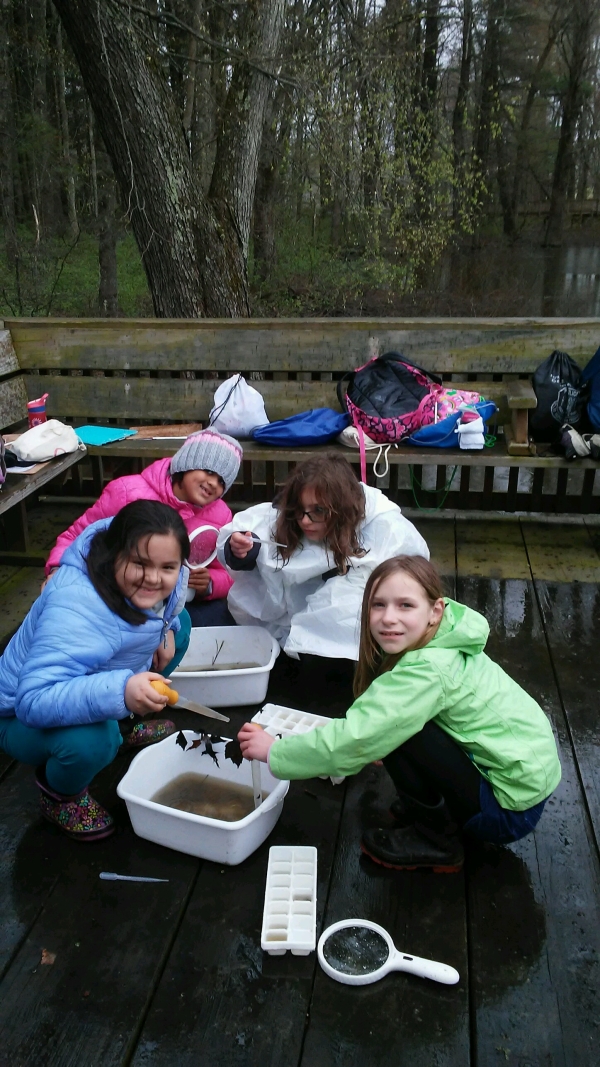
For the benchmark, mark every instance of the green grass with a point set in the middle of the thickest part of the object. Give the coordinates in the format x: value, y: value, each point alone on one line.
x: 57, y: 277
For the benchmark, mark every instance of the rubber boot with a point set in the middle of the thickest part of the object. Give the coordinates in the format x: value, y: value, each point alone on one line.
x: 80, y: 816
x: 146, y: 732
x: 432, y: 841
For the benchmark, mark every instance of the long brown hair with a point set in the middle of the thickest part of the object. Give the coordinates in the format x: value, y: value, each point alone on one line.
x: 336, y: 488
x: 371, y: 660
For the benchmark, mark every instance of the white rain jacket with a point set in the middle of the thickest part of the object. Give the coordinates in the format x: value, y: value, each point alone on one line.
x: 300, y: 609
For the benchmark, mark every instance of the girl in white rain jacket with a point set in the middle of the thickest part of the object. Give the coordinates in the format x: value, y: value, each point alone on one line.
x: 335, y: 530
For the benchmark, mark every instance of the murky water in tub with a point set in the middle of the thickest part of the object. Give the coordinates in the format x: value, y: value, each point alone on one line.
x: 355, y: 950
x: 203, y: 794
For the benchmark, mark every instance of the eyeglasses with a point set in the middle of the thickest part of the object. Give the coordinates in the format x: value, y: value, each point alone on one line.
x: 316, y: 514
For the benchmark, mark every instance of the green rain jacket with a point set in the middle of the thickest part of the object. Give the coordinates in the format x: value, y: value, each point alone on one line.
x: 453, y: 682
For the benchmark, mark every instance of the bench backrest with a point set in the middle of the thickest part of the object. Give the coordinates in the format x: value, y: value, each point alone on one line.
x: 133, y: 370
x: 13, y: 395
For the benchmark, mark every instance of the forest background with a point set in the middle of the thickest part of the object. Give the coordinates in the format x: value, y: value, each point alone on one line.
x: 299, y: 157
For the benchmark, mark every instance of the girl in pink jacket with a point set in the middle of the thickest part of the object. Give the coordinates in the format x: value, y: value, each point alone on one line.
x: 192, y: 482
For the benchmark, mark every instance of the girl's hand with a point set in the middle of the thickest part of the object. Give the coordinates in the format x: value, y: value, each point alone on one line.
x: 140, y: 697
x: 199, y: 580
x: 241, y: 543
x: 254, y: 742
x: 163, y: 656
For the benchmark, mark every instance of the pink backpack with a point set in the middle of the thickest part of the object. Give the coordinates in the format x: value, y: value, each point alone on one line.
x: 389, y: 398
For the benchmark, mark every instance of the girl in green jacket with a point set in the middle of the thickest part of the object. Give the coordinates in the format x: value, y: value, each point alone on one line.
x: 467, y: 749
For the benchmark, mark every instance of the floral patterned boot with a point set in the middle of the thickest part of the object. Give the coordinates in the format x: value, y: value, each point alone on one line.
x: 147, y: 732
x: 80, y: 816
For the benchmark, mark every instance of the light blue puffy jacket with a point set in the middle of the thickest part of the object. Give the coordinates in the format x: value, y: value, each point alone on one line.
x: 70, y: 660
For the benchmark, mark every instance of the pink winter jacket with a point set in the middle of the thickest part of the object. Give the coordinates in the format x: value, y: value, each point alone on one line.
x: 154, y: 483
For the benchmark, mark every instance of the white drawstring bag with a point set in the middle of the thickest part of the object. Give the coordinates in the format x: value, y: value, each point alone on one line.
x: 43, y: 442
x: 238, y: 408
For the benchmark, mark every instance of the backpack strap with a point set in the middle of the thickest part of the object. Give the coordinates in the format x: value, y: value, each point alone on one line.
x: 349, y: 377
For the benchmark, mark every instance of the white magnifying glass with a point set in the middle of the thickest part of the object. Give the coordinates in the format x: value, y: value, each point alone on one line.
x: 358, y: 952
x: 203, y: 549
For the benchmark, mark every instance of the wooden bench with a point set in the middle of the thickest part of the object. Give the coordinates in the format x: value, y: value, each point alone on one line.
x: 18, y: 488
x: 129, y: 372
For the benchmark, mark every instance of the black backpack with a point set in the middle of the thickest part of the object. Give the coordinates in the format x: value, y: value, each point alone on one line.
x: 557, y: 386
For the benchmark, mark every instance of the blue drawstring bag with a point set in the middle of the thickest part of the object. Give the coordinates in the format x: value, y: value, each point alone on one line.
x: 314, y: 427
x: 442, y: 434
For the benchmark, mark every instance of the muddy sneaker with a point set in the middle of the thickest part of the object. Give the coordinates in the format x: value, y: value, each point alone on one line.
x: 146, y: 733
x: 80, y: 816
x: 408, y: 849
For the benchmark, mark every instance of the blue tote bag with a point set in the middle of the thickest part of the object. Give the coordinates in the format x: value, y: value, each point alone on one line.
x: 314, y: 427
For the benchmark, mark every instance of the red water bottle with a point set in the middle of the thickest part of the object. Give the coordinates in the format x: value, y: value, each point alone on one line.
x: 36, y: 411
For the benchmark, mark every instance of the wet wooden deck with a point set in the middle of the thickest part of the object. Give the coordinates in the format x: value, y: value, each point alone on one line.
x: 173, y: 975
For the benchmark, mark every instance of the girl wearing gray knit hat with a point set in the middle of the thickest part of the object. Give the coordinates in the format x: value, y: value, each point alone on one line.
x: 192, y: 482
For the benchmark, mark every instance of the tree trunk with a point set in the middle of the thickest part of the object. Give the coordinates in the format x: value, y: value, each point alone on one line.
x: 7, y: 142
x: 521, y: 154
x: 66, y: 146
x: 489, y: 88
x: 194, y: 247
x: 39, y: 159
x: 274, y: 141
x: 108, y: 298
x: 580, y: 34
x: 460, y: 107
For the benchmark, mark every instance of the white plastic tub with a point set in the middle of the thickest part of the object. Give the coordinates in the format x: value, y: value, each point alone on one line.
x: 234, y: 644
x: 210, y: 839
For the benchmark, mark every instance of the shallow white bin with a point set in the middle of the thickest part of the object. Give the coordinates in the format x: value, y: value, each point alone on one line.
x: 220, y: 689
x: 211, y: 839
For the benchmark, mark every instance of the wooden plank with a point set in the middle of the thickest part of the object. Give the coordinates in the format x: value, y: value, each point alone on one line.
x: 13, y: 401
x: 8, y: 356
x: 496, y: 456
x: 561, y: 553
x: 566, y: 570
x: 221, y: 1000
x: 491, y: 550
x: 19, y: 486
x: 439, y: 535
x: 534, y: 931
x: 111, y: 940
x: 400, y: 1019
x: 177, y: 398
x: 520, y: 394
x: 30, y: 862
x: 445, y: 345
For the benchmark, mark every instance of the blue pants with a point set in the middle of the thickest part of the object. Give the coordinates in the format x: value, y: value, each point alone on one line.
x: 73, y: 755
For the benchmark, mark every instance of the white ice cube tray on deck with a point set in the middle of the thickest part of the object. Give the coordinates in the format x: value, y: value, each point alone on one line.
x: 290, y: 913
x: 283, y: 722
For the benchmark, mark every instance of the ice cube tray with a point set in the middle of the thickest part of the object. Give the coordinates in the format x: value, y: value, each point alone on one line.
x: 279, y: 721
x: 275, y: 719
x: 290, y: 912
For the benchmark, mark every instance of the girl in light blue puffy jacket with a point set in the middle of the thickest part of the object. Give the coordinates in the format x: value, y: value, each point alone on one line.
x: 82, y: 658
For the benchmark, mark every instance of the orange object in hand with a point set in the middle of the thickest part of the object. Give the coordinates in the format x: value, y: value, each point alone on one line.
x: 165, y: 691
x: 173, y: 698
